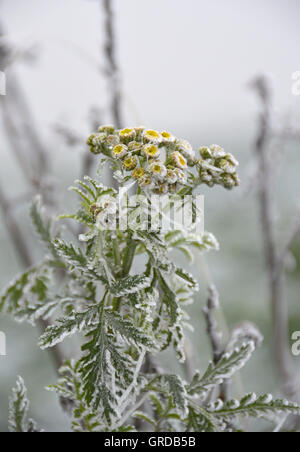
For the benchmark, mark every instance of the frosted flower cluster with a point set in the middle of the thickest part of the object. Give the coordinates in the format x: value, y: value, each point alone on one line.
x: 218, y: 167
x: 160, y: 162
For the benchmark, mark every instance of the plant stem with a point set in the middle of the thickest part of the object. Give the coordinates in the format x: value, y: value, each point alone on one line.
x: 129, y: 256
x: 282, y: 356
x: 112, y: 64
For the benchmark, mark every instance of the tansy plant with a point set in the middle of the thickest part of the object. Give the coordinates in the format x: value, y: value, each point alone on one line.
x: 126, y: 298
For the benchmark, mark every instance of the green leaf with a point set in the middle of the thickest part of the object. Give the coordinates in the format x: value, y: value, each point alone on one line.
x: 200, y: 420
x: 67, y: 326
x: 253, y: 406
x: 42, y: 227
x: 128, y: 330
x: 129, y: 285
x: 192, y: 282
x: 18, y: 410
x: 77, y: 261
x: 169, y: 298
x: 144, y: 417
x: 173, y: 386
x: 223, y: 370
x: 27, y: 297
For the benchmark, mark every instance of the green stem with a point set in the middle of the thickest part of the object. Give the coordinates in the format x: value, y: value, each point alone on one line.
x: 117, y: 256
x: 129, y: 256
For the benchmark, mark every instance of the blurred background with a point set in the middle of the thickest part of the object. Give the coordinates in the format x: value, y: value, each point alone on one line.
x: 184, y: 66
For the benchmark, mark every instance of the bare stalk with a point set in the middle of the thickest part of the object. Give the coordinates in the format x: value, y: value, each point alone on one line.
x: 112, y: 67
x: 275, y: 270
x: 18, y: 108
x: 214, y: 334
x: 211, y: 324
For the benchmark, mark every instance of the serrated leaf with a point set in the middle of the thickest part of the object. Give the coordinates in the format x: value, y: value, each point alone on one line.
x: 43, y: 228
x: 18, y: 410
x: 68, y: 326
x: 128, y: 330
x: 253, y: 406
x: 77, y: 261
x: 224, y: 369
x: 27, y: 297
x: 129, y: 285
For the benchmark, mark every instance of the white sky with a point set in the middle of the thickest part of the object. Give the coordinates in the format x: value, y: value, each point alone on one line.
x: 185, y: 63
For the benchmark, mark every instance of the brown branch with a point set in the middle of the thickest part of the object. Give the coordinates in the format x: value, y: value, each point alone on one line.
x: 281, y: 351
x: 211, y: 324
x: 36, y: 173
x: 294, y: 232
x: 112, y: 67
x: 214, y: 335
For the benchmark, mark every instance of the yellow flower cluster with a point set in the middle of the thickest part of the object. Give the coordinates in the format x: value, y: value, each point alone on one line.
x: 160, y: 162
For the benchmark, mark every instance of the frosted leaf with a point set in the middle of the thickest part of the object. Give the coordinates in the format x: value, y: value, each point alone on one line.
x: 18, y: 410
x: 228, y: 365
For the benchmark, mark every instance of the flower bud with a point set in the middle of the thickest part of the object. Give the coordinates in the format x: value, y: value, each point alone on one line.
x: 129, y: 163
x: 127, y: 135
x: 108, y: 130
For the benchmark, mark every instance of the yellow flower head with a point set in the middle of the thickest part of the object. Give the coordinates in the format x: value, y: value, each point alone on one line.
x: 127, y: 135
x: 130, y: 163
x: 180, y: 175
x: 138, y: 173
x: 158, y: 169
x: 119, y: 151
x: 167, y: 137
x: 185, y: 148
x: 179, y: 160
x: 152, y: 136
x: 151, y: 150
x: 171, y: 176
